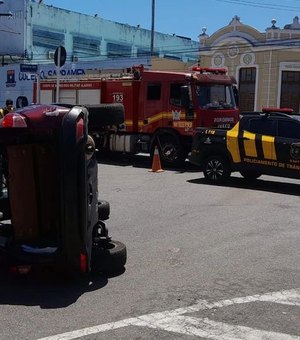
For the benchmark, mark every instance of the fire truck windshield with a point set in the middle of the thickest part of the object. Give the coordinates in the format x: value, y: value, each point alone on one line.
x: 215, y: 96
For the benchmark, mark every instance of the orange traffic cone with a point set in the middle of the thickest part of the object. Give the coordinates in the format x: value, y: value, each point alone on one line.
x: 156, y: 166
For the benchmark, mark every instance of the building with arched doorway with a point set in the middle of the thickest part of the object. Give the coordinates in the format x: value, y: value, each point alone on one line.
x: 266, y: 64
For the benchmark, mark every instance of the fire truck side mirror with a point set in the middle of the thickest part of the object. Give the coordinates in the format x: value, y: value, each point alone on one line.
x: 186, y: 102
x: 185, y: 97
x: 236, y: 95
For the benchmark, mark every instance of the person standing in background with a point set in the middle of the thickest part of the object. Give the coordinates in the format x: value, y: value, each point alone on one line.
x: 7, y: 108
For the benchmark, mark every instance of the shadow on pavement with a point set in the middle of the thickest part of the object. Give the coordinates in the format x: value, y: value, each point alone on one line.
x: 140, y: 161
x: 258, y: 184
x: 47, y: 290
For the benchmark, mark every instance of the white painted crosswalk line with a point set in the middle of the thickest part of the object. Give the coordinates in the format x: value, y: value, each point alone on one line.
x: 287, y: 297
x: 174, y: 320
x: 210, y: 329
x: 290, y: 297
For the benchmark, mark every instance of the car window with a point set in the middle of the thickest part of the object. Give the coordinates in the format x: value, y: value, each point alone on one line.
x: 153, y: 91
x: 288, y: 129
x: 262, y: 126
x: 175, y: 94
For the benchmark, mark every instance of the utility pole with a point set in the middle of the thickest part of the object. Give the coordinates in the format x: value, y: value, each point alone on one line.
x: 152, y: 27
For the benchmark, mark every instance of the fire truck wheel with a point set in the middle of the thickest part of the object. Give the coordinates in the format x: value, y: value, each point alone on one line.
x: 109, y: 259
x: 250, y: 175
x: 103, y: 210
x: 105, y: 114
x: 216, y: 169
x: 170, y: 151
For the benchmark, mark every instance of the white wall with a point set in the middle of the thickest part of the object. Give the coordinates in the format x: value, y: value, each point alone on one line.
x: 12, y: 28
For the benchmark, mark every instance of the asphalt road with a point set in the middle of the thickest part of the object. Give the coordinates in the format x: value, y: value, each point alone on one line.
x: 204, y: 262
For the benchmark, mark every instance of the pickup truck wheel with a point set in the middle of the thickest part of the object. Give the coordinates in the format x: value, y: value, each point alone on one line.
x: 250, y: 175
x: 216, y: 169
x: 109, y: 258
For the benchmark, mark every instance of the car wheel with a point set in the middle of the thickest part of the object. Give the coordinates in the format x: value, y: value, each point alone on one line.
x: 6, y: 230
x: 103, y: 210
x: 250, y: 175
x: 216, y: 169
x: 109, y: 258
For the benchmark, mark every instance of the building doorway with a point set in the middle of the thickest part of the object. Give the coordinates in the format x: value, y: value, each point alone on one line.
x: 247, y: 80
x: 290, y: 90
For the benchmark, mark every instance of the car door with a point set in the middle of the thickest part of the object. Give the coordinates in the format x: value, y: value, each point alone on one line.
x: 257, y: 144
x: 288, y: 147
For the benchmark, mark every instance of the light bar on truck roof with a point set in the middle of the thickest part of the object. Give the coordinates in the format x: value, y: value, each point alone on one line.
x: 286, y: 110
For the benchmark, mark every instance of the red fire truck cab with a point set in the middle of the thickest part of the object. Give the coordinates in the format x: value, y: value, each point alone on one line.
x: 162, y: 108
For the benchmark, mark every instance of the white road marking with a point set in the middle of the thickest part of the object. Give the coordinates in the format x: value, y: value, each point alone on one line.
x: 209, y: 329
x: 174, y: 321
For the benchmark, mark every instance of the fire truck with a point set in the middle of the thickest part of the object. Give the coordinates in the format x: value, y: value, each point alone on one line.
x: 162, y: 108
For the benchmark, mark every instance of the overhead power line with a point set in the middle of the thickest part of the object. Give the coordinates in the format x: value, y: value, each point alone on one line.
x: 263, y: 5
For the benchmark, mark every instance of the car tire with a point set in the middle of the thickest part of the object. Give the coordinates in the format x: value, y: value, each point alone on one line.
x: 216, y: 169
x: 6, y: 230
x: 103, y: 210
x: 110, y: 258
x: 250, y: 175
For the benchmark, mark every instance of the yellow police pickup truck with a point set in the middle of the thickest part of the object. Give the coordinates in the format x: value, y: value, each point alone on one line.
x: 260, y: 143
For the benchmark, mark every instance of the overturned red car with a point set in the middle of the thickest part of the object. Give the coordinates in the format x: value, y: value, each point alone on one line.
x: 50, y: 211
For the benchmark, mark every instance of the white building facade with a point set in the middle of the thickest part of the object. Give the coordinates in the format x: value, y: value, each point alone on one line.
x: 35, y: 30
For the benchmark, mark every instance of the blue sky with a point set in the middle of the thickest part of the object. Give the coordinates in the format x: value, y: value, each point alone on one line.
x: 187, y: 17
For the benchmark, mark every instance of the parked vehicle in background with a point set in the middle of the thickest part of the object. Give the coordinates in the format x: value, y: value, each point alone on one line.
x: 262, y: 143
x: 162, y: 108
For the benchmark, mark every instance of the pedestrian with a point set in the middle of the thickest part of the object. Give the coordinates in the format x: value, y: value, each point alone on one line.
x: 7, y: 108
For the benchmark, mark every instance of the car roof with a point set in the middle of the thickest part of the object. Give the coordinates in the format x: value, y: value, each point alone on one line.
x: 277, y: 115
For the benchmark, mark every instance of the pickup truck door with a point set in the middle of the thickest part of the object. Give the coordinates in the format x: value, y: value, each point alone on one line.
x: 288, y: 146
x: 257, y: 142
